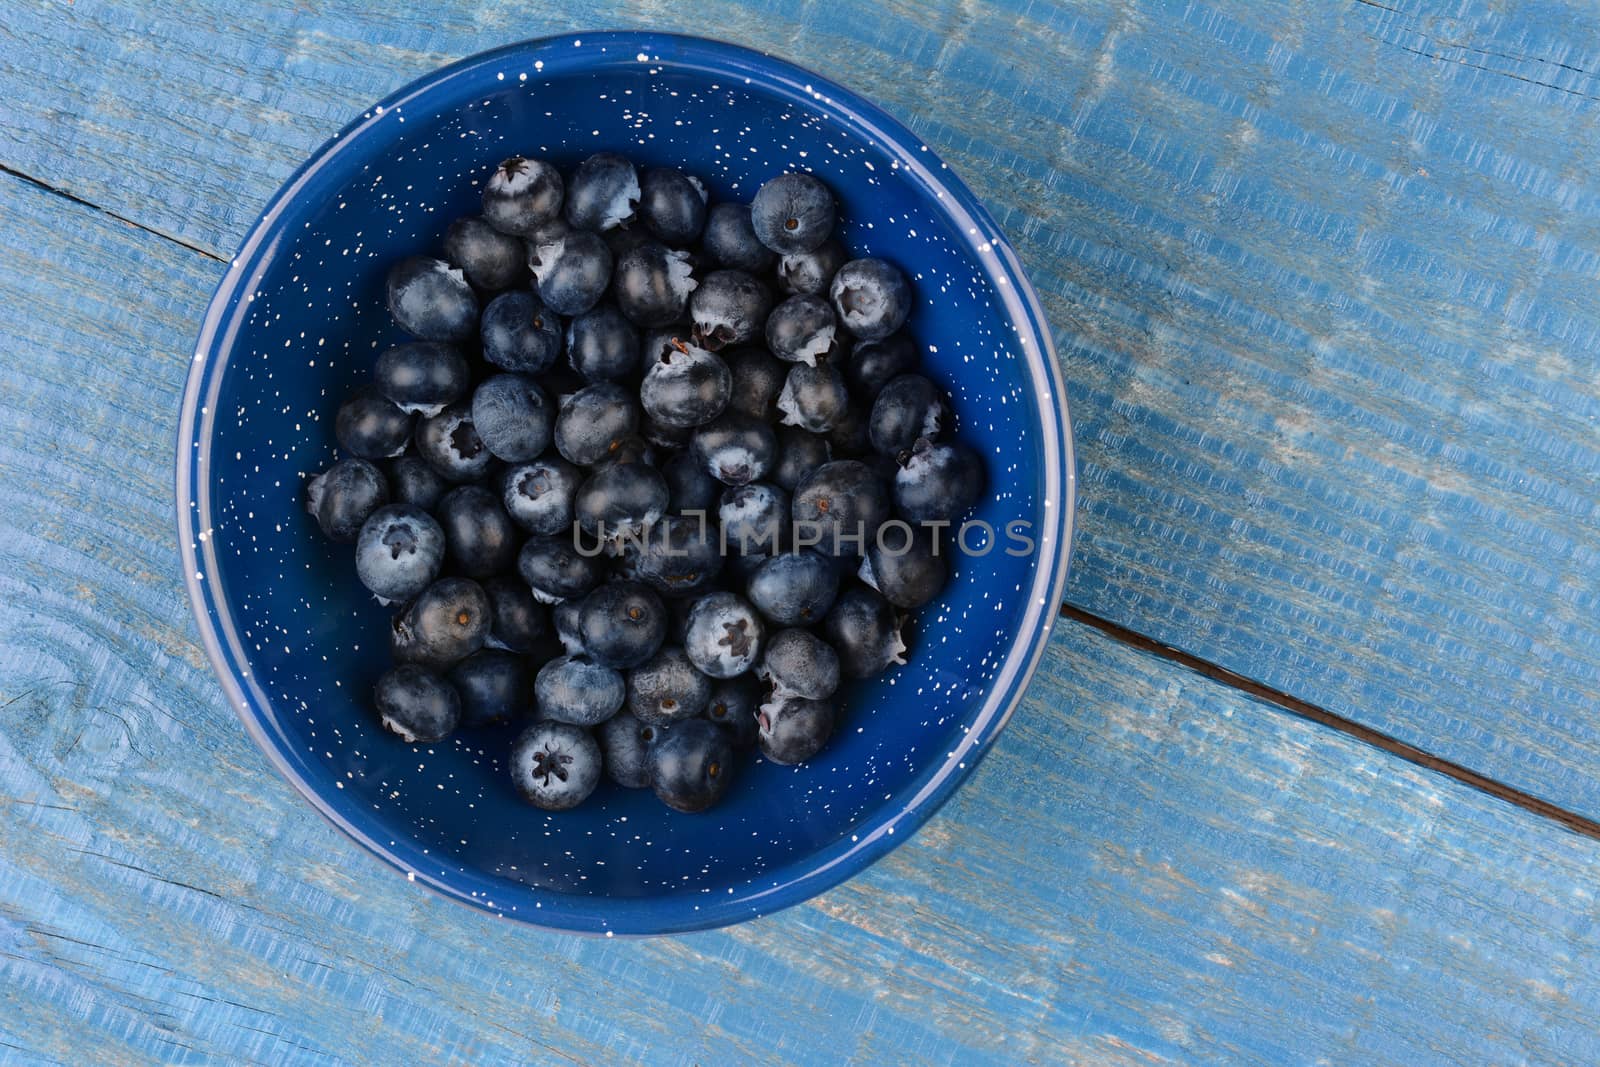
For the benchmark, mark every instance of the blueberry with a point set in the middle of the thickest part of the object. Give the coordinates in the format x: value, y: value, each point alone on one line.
x: 490, y: 259
x: 937, y: 482
x: 555, y: 765
x: 416, y: 705
x: 874, y: 364
x: 413, y: 481
x: 907, y: 564
x: 520, y: 333
x: 448, y: 621
x: 728, y: 308
x: 621, y: 500
x: 372, y: 426
x: 685, y: 386
x: 512, y: 417
x: 431, y: 299
x: 604, y: 192
x: 909, y: 407
x: 792, y: 729
x: 667, y: 688
x: 622, y: 624
x: 733, y: 706
x: 810, y: 273
x: 814, y: 398
x: 871, y: 297
x: 567, y: 618
x: 479, y: 535
x: 571, y: 271
x: 344, y: 496
x: 754, y: 518
x: 493, y: 686
x: 539, y: 495
x: 843, y: 503
x: 864, y: 629
x: 555, y: 570
x: 626, y: 743
x: 451, y: 445
x: 794, y: 589
x: 517, y: 620
x: 602, y: 344
x: 723, y: 635
x: 522, y: 195
x: 792, y: 213
x: 399, y: 552
x: 653, y: 284
x: 758, y: 378
x: 799, y: 662
x: 680, y: 557
x: 689, y: 486
x: 730, y: 241
x: 578, y: 690
x: 735, y: 449
x: 422, y: 377
x: 672, y: 205
x: 802, y: 329
x: 691, y: 767
x: 799, y: 453
x: 595, y: 421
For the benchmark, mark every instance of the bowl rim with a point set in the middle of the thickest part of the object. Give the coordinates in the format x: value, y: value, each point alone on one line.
x: 887, y: 825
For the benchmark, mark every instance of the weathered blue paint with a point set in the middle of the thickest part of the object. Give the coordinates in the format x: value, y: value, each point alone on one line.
x: 1325, y: 305
x: 1321, y: 274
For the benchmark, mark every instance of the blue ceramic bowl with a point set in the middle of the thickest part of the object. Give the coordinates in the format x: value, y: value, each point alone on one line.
x: 297, y: 322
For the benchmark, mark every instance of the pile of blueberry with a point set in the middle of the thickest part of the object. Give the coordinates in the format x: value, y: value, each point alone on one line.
x: 653, y: 478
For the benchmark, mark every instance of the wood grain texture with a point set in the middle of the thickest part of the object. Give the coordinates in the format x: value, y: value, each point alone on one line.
x: 1148, y: 869
x: 1322, y: 275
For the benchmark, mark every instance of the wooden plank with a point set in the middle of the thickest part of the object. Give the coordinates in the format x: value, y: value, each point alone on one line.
x: 1149, y: 868
x: 1321, y: 273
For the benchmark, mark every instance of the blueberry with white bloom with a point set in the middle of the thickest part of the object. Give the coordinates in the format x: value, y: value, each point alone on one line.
x: 522, y: 195
x: 416, y: 705
x: 723, y: 635
x: 422, y: 376
x: 570, y: 272
x: 399, y: 551
x: 513, y: 417
x: 372, y: 426
x: 793, y: 213
x: 491, y: 259
x: 735, y: 449
x: 801, y: 329
x: 685, y: 385
x: 672, y: 206
x: 539, y: 495
x: 729, y: 308
x: 871, y: 297
x: 653, y: 283
x: 431, y: 300
x: 730, y: 241
x: 520, y: 333
x: 603, y: 192
x: 344, y: 496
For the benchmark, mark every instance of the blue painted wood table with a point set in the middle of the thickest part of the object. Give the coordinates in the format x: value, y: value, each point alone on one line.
x: 1311, y: 772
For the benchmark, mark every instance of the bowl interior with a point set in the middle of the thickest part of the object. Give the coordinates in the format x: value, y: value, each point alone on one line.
x: 299, y: 322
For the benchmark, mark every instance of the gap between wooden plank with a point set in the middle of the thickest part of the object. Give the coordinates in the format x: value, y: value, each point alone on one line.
x: 39, y: 183
x: 1222, y: 675
x: 1333, y: 721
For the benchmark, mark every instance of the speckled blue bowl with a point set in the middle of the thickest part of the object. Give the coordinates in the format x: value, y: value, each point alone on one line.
x: 296, y: 642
